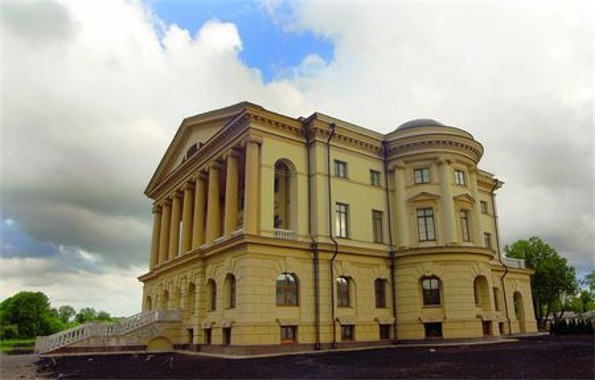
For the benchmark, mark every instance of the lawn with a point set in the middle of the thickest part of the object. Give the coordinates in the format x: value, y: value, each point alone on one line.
x: 20, y: 345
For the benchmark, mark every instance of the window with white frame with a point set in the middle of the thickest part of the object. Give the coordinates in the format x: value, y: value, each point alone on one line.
x: 343, y: 292
x: 374, y: 178
x: 484, y: 207
x: 377, y: 226
x: 460, y: 177
x: 342, y: 220
x: 425, y: 224
x: 465, y: 225
x: 421, y: 175
x: 341, y: 169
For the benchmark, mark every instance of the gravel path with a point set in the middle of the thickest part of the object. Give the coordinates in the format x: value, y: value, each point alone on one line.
x: 18, y: 367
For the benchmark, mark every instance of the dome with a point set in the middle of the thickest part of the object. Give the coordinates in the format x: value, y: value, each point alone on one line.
x: 415, y: 123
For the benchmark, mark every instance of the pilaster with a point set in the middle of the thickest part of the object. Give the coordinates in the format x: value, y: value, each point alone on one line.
x: 403, y: 238
x: 449, y: 222
x: 476, y: 231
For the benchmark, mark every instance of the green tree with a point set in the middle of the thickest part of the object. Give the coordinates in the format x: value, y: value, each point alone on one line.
x: 29, y: 311
x: 554, y: 280
x: 586, y: 300
x: 66, y: 313
x: 86, y: 314
x: 104, y: 316
x: 589, y: 282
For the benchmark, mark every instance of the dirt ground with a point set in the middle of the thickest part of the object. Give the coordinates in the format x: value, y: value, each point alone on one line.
x: 545, y: 357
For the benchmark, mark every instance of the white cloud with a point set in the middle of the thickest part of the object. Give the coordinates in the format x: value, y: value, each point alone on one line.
x: 116, y: 291
x: 94, y: 91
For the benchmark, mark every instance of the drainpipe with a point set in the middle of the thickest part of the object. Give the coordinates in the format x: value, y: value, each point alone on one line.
x: 390, y: 241
x: 496, y: 230
x: 313, y: 245
x: 330, y: 232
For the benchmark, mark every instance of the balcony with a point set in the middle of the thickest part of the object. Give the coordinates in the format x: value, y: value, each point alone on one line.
x: 284, y: 234
x: 513, y: 263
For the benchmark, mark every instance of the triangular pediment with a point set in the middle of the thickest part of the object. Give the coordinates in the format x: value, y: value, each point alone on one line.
x: 194, y: 132
x: 465, y: 198
x: 424, y: 196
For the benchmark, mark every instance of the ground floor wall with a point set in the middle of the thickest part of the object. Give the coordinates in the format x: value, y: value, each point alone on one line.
x: 236, y: 297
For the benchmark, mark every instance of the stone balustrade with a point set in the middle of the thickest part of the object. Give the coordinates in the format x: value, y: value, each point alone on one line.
x: 513, y: 263
x: 60, y: 339
x: 284, y: 234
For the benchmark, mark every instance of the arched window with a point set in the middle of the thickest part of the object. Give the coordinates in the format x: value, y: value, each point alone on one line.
x: 284, y: 197
x: 287, y: 290
x: 230, y: 291
x: 380, y: 292
x: 431, y: 290
x: 212, y: 295
x: 148, y: 304
x: 343, y: 291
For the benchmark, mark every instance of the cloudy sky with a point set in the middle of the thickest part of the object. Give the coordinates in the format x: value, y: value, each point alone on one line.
x: 93, y: 92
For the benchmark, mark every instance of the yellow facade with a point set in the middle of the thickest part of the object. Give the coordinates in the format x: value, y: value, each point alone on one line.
x: 270, y: 230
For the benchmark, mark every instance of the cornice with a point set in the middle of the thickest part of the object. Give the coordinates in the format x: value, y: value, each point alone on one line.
x: 408, y: 145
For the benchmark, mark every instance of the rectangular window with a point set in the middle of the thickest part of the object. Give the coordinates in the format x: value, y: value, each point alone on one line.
x: 227, y: 335
x: 342, y: 220
x: 384, y: 331
x: 465, y: 225
x: 340, y: 169
x: 484, y: 207
x: 487, y: 240
x: 497, y: 298
x: 207, y: 333
x: 288, y: 334
x: 374, y: 178
x: 460, y: 177
x: 377, y: 228
x: 380, y: 292
x: 343, y: 294
x: 347, y: 332
x: 433, y: 330
x: 421, y: 175
x: 425, y: 224
x: 431, y: 291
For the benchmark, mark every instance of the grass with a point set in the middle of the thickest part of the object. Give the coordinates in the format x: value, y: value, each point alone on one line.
x: 16, y: 344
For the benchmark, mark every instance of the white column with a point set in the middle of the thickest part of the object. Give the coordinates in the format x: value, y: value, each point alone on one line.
x: 213, y: 205
x: 155, y: 236
x: 231, y: 193
x: 174, y: 228
x: 164, y: 231
x: 198, y: 224
x: 188, y: 206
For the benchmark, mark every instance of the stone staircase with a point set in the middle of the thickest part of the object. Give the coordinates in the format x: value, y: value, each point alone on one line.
x: 127, y: 332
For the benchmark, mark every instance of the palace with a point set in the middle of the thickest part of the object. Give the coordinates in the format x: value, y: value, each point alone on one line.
x: 276, y: 233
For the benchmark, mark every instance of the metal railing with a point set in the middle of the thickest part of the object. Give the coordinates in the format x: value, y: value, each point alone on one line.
x: 514, y: 263
x: 95, y: 329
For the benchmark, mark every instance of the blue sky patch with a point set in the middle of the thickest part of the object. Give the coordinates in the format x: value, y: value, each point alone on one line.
x: 266, y: 46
